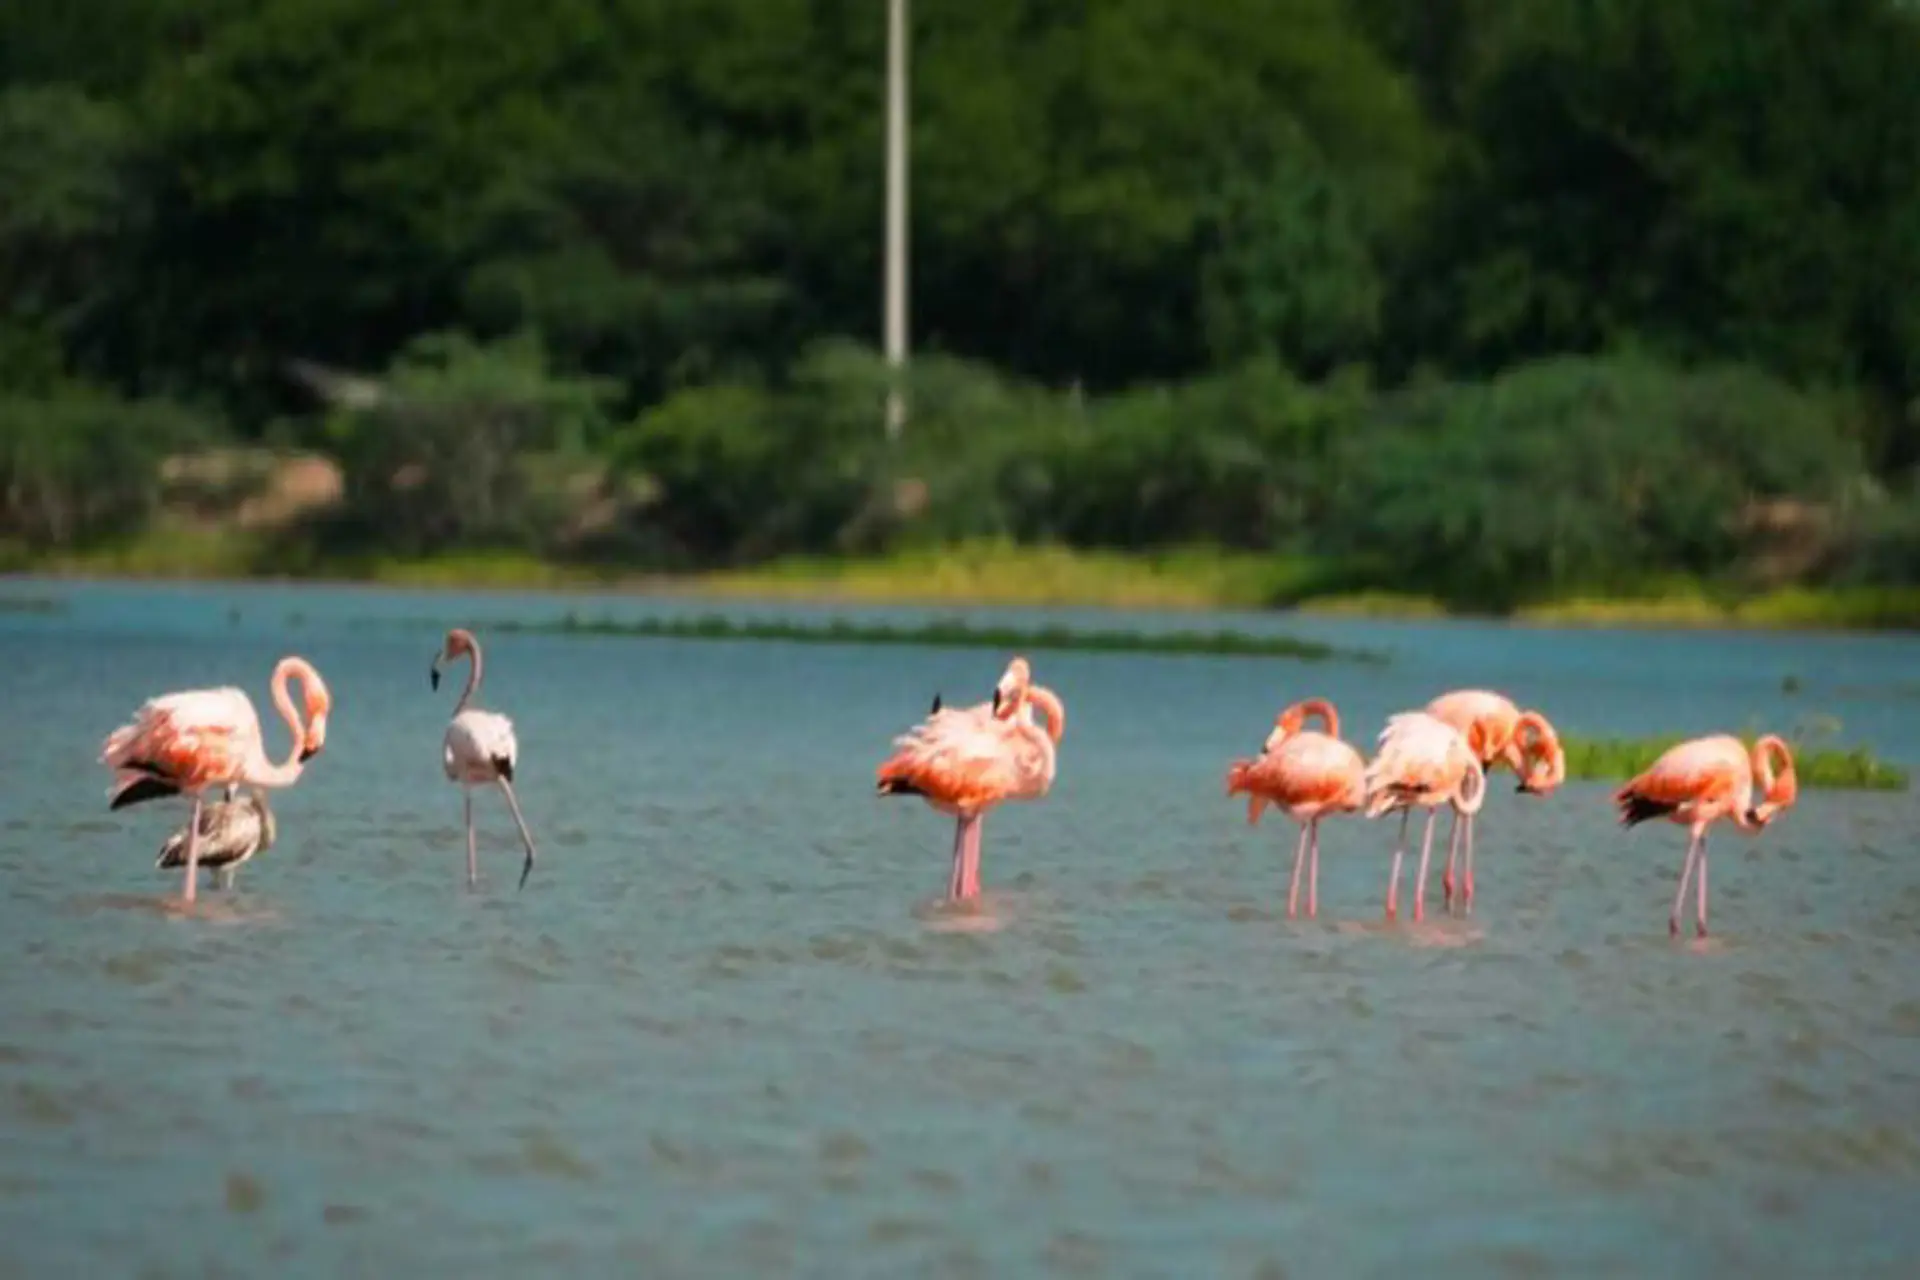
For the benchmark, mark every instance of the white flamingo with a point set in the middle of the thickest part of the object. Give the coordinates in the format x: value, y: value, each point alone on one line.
x: 479, y: 748
x: 1422, y: 760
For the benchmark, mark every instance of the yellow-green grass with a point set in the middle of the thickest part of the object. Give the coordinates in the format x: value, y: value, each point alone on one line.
x: 1617, y: 759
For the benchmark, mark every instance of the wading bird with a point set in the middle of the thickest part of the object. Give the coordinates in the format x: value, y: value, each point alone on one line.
x: 1498, y: 733
x: 1421, y: 760
x: 184, y: 743
x: 964, y: 762
x: 1701, y: 781
x: 231, y: 832
x: 479, y: 749
x: 1307, y: 775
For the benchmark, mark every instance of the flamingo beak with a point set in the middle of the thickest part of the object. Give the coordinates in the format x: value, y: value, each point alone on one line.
x: 433, y: 673
x: 935, y: 709
x: 996, y: 700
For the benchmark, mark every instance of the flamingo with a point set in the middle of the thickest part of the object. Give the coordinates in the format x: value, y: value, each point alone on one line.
x: 231, y: 832
x: 1422, y: 760
x: 183, y: 743
x: 1701, y: 781
x: 479, y: 748
x: 1499, y: 732
x: 1308, y: 775
x: 965, y: 761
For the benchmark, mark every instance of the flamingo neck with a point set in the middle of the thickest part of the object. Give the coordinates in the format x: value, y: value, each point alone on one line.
x: 262, y: 772
x: 1320, y: 708
x: 1050, y: 706
x: 1472, y: 791
x: 473, y: 676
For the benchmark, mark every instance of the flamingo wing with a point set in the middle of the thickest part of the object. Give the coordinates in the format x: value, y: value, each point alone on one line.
x: 1700, y: 773
x: 1305, y: 770
x: 1420, y: 758
x: 1478, y: 713
x: 181, y: 742
x: 963, y: 761
x: 479, y: 747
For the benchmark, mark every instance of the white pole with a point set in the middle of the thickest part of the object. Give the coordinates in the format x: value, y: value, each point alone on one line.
x: 896, y: 271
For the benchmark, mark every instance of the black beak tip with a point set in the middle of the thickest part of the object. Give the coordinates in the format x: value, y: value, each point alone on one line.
x: 308, y: 753
x: 433, y: 677
x: 936, y: 706
x: 996, y: 701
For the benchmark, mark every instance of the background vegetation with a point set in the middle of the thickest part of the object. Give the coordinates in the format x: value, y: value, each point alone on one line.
x: 1501, y: 302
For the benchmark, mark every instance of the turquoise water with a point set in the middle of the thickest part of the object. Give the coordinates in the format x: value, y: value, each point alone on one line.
x: 723, y: 1032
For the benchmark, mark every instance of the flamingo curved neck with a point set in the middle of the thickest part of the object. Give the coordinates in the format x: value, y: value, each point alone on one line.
x: 261, y: 771
x: 1538, y: 742
x: 474, y: 661
x: 1312, y: 708
x: 1050, y: 706
x: 1473, y: 790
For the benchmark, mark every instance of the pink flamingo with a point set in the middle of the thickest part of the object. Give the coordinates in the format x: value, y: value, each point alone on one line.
x: 1701, y: 781
x: 479, y: 749
x: 184, y: 743
x: 965, y: 761
x: 1308, y: 775
x: 1498, y: 732
x: 1422, y: 760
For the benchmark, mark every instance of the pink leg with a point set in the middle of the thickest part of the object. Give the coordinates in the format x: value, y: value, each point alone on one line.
x: 972, y: 886
x: 1700, y: 920
x: 1313, y: 870
x: 1453, y: 851
x: 957, y: 882
x: 1420, y: 885
x: 193, y: 853
x: 473, y: 854
x: 1299, y: 859
x: 1686, y: 874
x: 1393, y: 883
x: 1467, y: 894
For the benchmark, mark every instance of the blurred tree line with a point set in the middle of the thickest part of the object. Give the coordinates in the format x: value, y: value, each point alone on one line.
x: 1497, y: 296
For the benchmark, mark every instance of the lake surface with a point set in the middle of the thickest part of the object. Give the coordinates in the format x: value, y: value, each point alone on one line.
x: 723, y: 1032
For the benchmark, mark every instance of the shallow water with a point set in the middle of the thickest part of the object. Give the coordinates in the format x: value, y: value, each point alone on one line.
x: 723, y: 1032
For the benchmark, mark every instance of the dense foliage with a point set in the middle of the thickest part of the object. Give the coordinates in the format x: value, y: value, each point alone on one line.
x: 1499, y: 297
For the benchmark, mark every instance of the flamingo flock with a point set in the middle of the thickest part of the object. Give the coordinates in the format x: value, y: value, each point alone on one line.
x: 964, y: 762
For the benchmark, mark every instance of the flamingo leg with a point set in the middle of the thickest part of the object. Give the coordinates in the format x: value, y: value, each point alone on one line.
x: 223, y: 877
x: 1686, y: 874
x: 473, y: 854
x: 1700, y: 918
x: 1393, y: 882
x: 970, y: 885
x: 1453, y: 851
x: 1299, y: 860
x: 1420, y: 885
x: 1467, y: 897
x: 956, y: 881
x: 1313, y: 871
x: 193, y: 853
x: 526, y: 836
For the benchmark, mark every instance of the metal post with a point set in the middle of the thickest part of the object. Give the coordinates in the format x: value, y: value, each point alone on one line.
x: 896, y: 271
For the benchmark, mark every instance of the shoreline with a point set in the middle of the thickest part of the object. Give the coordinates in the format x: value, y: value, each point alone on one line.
x: 1001, y: 576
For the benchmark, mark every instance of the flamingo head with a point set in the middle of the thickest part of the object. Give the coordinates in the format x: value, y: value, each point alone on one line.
x: 319, y: 705
x: 1012, y: 689
x: 458, y: 644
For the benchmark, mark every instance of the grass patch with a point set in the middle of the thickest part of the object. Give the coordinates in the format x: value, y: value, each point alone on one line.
x: 1691, y: 605
x: 953, y: 633
x: 31, y: 604
x: 987, y: 572
x: 1000, y: 572
x: 1617, y: 759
